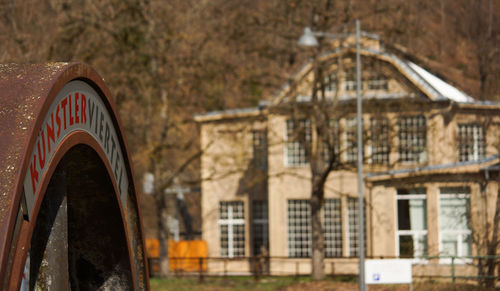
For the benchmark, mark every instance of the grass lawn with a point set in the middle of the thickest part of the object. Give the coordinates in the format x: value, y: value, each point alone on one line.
x: 220, y: 283
x: 290, y: 284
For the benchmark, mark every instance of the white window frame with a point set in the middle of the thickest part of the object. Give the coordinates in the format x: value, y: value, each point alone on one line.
x: 334, y: 226
x: 297, y: 144
x: 478, y: 142
x: 412, y: 156
x: 230, y: 222
x: 458, y: 233
x: 355, y: 235
x: 415, y: 234
x: 292, y: 253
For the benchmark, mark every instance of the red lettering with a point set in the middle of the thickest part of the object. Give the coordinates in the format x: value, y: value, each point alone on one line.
x: 64, y: 102
x: 40, y: 160
x: 70, y: 111
x: 34, y: 174
x: 50, y: 131
x: 77, y: 118
x: 83, y: 103
x: 58, y: 121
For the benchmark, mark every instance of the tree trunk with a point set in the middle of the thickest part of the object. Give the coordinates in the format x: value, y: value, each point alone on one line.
x: 491, y: 262
x: 318, y: 239
x: 162, y: 233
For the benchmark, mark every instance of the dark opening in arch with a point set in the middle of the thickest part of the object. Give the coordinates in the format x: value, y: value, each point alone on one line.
x: 79, y: 228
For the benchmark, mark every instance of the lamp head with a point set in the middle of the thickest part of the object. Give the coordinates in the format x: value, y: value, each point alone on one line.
x: 308, y: 39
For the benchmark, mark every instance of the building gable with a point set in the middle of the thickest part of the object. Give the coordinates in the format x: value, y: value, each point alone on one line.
x: 384, y: 76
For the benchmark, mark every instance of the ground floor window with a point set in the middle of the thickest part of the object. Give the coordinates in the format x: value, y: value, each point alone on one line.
x: 454, y: 222
x: 353, y: 227
x: 332, y: 220
x: 232, y: 229
x: 260, y: 228
x: 299, y: 228
x: 412, y: 223
x: 300, y: 232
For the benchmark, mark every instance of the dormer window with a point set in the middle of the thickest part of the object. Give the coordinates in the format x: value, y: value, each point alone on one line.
x: 378, y: 82
x: 412, y: 139
x: 298, y: 142
x: 350, y: 85
x: 471, y: 142
x: 350, y: 80
x: 331, y: 83
x: 375, y: 81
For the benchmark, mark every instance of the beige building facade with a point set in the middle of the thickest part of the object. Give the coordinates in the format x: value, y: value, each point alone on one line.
x: 430, y: 172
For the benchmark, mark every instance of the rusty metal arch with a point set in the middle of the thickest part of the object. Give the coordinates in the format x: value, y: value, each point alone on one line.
x: 27, y: 94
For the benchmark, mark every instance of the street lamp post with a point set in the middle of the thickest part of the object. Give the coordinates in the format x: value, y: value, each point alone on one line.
x: 361, y: 208
x: 308, y: 39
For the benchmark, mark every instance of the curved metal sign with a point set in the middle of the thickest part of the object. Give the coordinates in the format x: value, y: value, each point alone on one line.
x: 76, y: 107
x: 67, y: 194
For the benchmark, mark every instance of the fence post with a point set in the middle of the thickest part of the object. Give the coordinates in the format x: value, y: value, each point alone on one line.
x: 256, y: 267
x: 453, y: 271
x: 296, y: 270
x: 200, y: 262
x: 225, y: 269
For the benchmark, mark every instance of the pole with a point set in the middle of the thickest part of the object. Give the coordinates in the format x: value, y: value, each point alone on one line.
x: 361, y: 279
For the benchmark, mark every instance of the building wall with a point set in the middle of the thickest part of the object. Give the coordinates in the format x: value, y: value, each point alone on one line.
x: 228, y: 175
x: 229, y: 155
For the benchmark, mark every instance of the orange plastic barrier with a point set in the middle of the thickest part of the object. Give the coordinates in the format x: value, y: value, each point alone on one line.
x: 153, y: 248
x: 188, y: 256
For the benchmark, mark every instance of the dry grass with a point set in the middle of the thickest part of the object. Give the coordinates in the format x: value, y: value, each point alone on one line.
x: 291, y: 284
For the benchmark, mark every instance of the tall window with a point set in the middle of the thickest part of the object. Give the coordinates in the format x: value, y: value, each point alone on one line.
x: 471, y: 142
x: 232, y: 229
x: 259, y: 146
x: 412, y: 139
x: 353, y: 227
x: 412, y: 223
x: 260, y: 227
x: 379, y: 129
x: 299, y: 228
x: 351, y: 140
x: 299, y: 137
x: 332, y: 220
x: 454, y: 229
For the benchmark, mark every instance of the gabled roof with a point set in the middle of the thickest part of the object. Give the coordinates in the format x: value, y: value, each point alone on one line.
x: 428, y: 83
x: 432, y: 86
x: 444, y: 89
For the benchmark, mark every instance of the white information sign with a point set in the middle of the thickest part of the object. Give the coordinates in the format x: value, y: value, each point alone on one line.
x: 394, y: 271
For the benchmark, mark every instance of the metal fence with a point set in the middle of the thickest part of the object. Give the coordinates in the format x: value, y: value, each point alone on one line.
x: 475, y: 261
x: 432, y: 267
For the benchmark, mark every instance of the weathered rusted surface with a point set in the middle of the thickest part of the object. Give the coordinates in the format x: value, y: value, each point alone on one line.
x: 26, y: 93
x: 23, y: 89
